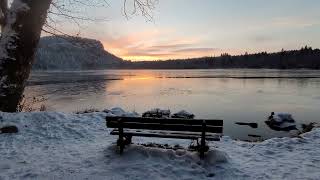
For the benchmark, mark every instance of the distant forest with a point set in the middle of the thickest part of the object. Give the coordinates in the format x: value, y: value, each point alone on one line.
x: 306, y: 57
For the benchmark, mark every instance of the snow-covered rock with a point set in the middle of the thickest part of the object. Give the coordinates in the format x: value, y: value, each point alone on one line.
x: 72, y: 53
x: 120, y: 112
x: 282, y: 117
x: 157, y: 112
x: 52, y: 145
x: 183, y: 114
x: 281, y: 122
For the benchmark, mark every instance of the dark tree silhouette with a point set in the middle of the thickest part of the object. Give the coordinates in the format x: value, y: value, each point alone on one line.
x: 306, y: 58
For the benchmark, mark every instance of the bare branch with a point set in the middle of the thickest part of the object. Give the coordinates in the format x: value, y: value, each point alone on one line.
x: 74, y: 11
x: 142, y: 7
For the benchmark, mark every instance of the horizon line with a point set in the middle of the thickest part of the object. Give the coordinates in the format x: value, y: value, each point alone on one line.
x: 225, y: 53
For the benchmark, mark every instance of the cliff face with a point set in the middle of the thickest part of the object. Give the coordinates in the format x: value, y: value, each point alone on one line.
x: 73, y: 53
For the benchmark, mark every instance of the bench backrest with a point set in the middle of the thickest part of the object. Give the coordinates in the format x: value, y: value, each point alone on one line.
x: 169, y: 124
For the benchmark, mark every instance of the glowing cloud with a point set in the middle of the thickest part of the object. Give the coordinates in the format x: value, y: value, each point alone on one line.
x: 155, y: 45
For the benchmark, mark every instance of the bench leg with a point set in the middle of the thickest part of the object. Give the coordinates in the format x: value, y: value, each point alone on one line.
x: 202, y: 149
x: 203, y: 140
x: 120, y: 140
x: 124, y: 141
x: 121, y: 144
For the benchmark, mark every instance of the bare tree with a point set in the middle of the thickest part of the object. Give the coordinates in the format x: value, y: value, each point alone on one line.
x: 21, y: 25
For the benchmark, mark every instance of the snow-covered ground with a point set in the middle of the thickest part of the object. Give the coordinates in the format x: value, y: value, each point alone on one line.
x: 52, y: 145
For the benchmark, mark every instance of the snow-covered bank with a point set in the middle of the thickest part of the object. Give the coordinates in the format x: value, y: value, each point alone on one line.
x: 53, y: 145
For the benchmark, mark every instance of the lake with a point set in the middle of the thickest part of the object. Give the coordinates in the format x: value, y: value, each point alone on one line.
x: 235, y: 95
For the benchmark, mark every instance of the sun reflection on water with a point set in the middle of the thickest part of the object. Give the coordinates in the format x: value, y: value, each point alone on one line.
x: 138, y: 78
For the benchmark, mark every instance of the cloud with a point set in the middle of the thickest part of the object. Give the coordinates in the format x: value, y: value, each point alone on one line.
x: 197, y: 50
x: 131, y: 39
x: 286, y: 22
x: 170, y: 46
x: 262, y: 38
x: 149, y: 54
x: 294, y: 22
x: 154, y: 45
x: 167, y: 53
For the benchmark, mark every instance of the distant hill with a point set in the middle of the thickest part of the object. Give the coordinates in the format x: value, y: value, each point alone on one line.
x: 306, y: 58
x: 73, y: 53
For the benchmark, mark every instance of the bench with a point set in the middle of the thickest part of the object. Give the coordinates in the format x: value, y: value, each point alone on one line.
x: 127, y: 127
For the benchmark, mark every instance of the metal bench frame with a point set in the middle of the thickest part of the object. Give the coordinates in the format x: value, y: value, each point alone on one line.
x: 194, y: 129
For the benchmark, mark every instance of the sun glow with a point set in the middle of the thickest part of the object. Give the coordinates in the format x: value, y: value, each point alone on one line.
x: 153, y: 45
x: 143, y: 58
x: 140, y: 78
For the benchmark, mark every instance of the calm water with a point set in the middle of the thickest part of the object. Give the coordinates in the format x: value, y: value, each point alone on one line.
x: 231, y: 95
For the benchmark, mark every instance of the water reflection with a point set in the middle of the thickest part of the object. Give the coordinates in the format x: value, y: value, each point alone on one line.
x: 211, y: 94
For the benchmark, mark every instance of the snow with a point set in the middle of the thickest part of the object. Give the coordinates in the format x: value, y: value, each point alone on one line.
x: 6, y: 42
x: 117, y: 111
x: 2, y: 83
x: 184, y: 114
x: 164, y: 113
x: 18, y: 5
x: 283, y: 117
x: 53, y: 145
x: 8, y: 34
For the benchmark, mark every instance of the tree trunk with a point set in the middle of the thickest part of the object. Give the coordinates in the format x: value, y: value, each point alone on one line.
x: 19, y: 39
x: 3, y: 12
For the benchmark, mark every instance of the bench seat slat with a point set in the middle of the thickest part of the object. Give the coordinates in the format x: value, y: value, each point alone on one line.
x: 169, y: 127
x: 166, y: 134
x: 167, y: 120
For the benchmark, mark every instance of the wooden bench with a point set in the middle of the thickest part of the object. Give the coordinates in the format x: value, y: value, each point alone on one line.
x: 127, y: 127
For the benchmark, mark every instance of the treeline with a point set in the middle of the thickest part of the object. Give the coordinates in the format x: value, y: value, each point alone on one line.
x: 306, y: 57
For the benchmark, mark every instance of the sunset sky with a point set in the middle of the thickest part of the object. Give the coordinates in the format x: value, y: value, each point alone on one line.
x: 193, y: 28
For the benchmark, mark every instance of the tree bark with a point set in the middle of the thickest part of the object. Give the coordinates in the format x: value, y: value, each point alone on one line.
x: 3, y: 12
x: 19, y: 39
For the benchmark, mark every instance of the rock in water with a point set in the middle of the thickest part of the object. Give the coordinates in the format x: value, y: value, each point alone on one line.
x: 252, y: 125
x: 307, y: 127
x: 9, y: 129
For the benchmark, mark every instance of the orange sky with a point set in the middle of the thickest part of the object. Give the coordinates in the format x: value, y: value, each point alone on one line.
x: 146, y: 45
x: 190, y: 28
